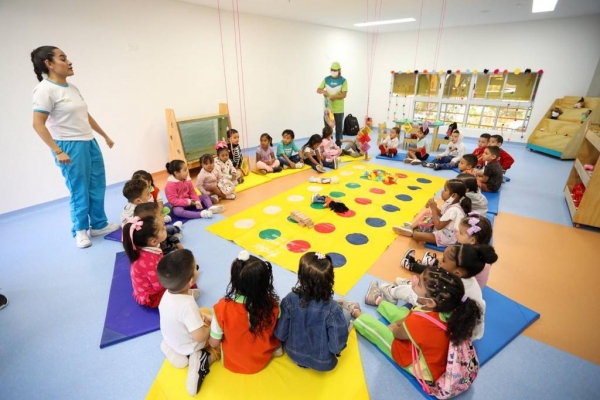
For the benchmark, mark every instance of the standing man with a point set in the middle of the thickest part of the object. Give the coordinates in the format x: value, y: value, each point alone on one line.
x: 335, y: 88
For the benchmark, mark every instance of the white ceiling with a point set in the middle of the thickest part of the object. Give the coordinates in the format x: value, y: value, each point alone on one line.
x: 345, y: 13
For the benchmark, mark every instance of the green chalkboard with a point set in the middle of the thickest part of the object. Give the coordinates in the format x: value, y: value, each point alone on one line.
x: 200, y: 136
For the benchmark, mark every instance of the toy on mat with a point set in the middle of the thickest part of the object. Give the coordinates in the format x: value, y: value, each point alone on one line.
x: 333, y: 180
x: 335, y: 206
x: 302, y: 219
x: 379, y: 175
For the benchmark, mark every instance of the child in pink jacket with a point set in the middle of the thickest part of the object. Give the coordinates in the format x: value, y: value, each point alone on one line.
x: 182, y: 195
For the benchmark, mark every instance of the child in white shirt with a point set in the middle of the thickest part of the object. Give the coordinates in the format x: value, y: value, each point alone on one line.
x: 389, y: 146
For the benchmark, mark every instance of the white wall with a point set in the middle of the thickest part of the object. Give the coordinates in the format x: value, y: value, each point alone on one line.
x: 566, y: 49
x: 177, y: 65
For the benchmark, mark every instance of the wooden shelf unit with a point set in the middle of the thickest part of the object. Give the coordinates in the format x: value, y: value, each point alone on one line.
x: 588, y: 212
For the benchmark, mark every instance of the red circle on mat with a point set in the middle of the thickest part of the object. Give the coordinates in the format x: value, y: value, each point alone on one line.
x: 402, y: 176
x: 298, y: 246
x: 377, y: 191
x: 347, y: 214
x: 362, y: 200
x: 324, y: 228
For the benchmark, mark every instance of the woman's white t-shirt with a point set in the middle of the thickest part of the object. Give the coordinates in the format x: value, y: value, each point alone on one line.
x: 67, y: 110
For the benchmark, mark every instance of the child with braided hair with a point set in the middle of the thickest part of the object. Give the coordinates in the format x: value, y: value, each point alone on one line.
x: 441, y: 296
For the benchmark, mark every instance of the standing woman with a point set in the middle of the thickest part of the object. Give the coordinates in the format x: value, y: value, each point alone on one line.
x: 61, y: 119
x: 335, y: 87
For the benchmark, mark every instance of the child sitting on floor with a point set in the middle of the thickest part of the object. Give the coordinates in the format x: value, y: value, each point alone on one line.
x: 477, y: 229
x: 224, y: 165
x: 173, y: 240
x: 181, y: 194
x: 244, y: 320
x: 463, y: 260
x: 265, y: 158
x: 482, y: 143
x: 441, y: 296
x: 286, y: 149
x: 389, y: 145
x: 489, y: 178
x: 479, y: 203
x: 136, y: 192
x: 330, y: 151
x: 154, y: 191
x: 313, y: 327
x: 235, y: 153
x: 210, y: 182
x: 141, y: 241
x: 446, y: 220
x: 420, y: 153
x: 505, y: 159
x: 449, y: 157
x: 311, y: 155
x: 185, y: 328
x: 467, y: 164
x: 352, y: 148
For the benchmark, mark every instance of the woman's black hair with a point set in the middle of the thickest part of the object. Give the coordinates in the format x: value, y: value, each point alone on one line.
x: 458, y: 187
x: 315, y: 278
x: 148, y: 230
x: 470, y: 182
x: 484, y: 235
x: 314, y: 139
x: 471, y: 258
x: 39, y: 57
x: 448, y: 292
x: 266, y: 135
x: 144, y: 175
x: 289, y: 132
x: 206, y: 159
x: 174, y: 166
x: 253, y: 279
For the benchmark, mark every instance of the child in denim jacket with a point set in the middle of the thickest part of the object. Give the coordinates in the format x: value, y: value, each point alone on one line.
x: 312, y: 326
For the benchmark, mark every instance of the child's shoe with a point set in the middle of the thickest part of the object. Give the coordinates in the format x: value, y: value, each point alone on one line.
x: 408, y: 259
x: 429, y: 259
x: 179, y: 236
x: 317, y: 198
x: 415, y: 162
x: 349, y: 306
x: 178, y: 225
x: 320, y: 168
x: 386, y: 291
x: 373, y: 296
x: 427, y: 164
x: 214, y: 198
x: 205, y: 214
x: 261, y: 171
x: 277, y: 169
x: 299, y: 165
x: 436, y: 167
x: 104, y: 231
x: 216, y: 209
x: 231, y: 196
x: 197, y: 370
x: 402, y: 281
x: 167, y: 218
x: 403, y: 230
x: 408, y: 161
x: 82, y: 239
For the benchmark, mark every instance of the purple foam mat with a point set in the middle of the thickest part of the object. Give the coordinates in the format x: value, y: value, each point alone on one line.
x: 125, y: 319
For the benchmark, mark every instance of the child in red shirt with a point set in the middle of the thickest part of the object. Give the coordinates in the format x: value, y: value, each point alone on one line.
x: 505, y: 160
x: 141, y: 241
x: 483, y: 142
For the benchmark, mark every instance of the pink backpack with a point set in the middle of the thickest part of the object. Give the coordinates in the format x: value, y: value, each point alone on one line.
x: 461, y: 368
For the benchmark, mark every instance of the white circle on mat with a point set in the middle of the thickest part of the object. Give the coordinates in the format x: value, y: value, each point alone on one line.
x: 244, y: 223
x: 359, y: 167
x: 314, y: 188
x: 295, y: 198
x: 346, y: 173
x: 272, y: 210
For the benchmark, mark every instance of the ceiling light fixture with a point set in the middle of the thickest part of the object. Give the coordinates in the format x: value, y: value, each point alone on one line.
x: 390, y: 21
x: 543, y: 6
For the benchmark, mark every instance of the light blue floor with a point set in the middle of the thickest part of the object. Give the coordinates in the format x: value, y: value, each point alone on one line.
x: 50, y: 332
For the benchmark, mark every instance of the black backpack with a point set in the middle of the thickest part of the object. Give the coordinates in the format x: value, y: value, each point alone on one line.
x: 351, y: 127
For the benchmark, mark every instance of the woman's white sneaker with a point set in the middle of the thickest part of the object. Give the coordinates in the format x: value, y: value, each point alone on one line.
x: 104, y: 231
x: 82, y: 239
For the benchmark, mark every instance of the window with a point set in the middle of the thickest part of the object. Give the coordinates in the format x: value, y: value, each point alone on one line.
x: 452, y: 113
x: 457, y: 86
x: 482, y: 117
x: 428, y: 85
x: 425, y: 111
x: 511, y: 118
x: 404, y: 84
x: 519, y: 87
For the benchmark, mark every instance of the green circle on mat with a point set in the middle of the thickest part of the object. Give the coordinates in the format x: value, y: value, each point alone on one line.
x: 269, y: 234
x: 337, y: 194
x: 352, y: 185
x: 318, y: 206
x: 290, y: 219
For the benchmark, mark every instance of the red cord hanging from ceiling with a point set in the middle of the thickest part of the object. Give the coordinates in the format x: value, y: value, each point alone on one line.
x: 373, y: 44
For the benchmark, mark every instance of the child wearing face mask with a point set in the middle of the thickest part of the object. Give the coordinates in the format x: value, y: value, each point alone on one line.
x: 136, y: 192
x: 440, y: 296
x: 462, y: 260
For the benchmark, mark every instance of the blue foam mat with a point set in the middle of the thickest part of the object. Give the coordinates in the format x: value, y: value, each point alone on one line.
x: 125, y: 319
x: 505, y: 319
x: 400, y: 157
x: 493, y: 201
x: 489, y: 216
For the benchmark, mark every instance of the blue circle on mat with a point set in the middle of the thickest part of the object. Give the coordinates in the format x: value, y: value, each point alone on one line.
x: 404, y: 197
x: 375, y: 222
x: 337, y: 194
x: 337, y: 259
x: 390, y: 208
x: 414, y: 187
x: 352, y: 185
x: 291, y: 220
x: 423, y: 180
x: 357, y: 239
